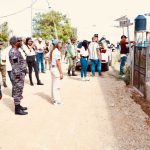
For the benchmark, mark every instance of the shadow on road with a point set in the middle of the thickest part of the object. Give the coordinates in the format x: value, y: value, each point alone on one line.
x: 8, y: 91
x: 115, y: 74
x: 44, y: 96
x: 9, y: 103
x: 121, y: 110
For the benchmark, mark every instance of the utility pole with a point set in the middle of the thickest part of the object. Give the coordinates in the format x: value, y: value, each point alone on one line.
x: 55, y: 29
x: 31, y: 16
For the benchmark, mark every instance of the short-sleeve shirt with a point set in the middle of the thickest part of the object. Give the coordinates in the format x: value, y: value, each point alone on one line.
x: 40, y: 46
x: 55, y: 56
x: 84, y: 52
x: 71, y: 50
x: 93, y: 50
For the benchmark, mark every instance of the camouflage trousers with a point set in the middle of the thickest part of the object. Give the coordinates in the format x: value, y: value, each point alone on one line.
x: 72, y: 64
x: 3, y: 72
x: 17, y: 88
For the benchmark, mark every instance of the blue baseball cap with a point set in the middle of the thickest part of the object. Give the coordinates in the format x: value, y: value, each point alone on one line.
x: 55, y: 42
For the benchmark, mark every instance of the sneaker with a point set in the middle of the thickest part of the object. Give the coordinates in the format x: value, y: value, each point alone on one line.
x: 82, y: 78
x: 60, y: 103
x: 123, y: 76
x: 55, y: 103
x: 87, y: 79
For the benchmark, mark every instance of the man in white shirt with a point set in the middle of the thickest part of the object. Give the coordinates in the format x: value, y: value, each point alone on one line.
x: 8, y: 65
x: 94, y: 55
x: 3, y: 63
x: 40, y: 55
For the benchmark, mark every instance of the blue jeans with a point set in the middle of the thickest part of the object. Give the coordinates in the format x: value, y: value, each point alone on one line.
x: 94, y: 63
x: 84, y: 65
x: 40, y: 61
x: 122, y: 64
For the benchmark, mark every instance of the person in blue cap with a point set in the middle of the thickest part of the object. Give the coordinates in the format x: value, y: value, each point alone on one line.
x: 56, y: 72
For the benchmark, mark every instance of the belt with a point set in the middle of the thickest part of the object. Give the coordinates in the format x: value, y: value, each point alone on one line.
x: 84, y: 57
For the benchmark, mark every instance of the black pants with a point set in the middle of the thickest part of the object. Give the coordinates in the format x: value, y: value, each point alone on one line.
x: 32, y: 65
x: 0, y: 92
x: 10, y: 75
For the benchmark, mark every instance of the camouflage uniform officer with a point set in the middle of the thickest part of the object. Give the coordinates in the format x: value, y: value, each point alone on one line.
x: 18, y: 73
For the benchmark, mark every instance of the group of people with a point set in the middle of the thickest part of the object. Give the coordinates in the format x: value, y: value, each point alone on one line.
x: 88, y: 51
x: 24, y: 55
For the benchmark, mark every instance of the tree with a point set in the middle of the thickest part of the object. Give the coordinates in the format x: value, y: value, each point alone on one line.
x: 4, y: 32
x: 52, y: 24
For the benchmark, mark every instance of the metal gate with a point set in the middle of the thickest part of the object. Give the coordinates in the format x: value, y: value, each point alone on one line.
x: 139, y: 68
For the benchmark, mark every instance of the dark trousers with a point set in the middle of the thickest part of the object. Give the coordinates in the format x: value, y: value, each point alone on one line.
x: 0, y: 92
x: 10, y: 75
x: 32, y: 65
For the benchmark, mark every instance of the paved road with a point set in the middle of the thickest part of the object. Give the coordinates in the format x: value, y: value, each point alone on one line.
x: 84, y: 122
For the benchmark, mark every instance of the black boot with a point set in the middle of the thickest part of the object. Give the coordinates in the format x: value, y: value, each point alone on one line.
x: 4, y: 84
x: 69, y: 74
x: 73, y: 73
x: 23, y: 108
x: 0, y: 93
x: 39, y: 83
x: 31, y: 83
x: 19, y: 111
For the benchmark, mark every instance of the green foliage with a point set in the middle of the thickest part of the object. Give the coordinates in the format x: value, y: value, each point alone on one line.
x: 46, y: 25
x: 4, y: 32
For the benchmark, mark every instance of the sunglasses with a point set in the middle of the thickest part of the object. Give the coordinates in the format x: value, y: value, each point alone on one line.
x: 19, y: 40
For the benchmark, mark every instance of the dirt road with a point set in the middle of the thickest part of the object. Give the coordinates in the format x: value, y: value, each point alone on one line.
x: 96, y: 115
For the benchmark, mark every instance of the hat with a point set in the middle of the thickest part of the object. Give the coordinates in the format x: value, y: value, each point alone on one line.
x: 55, y: 42
x: 40, y: 39
x: 46, y: 41
x: 123, y: 36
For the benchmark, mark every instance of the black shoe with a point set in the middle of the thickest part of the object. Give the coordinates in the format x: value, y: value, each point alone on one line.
x: 0, y: 94
x: 19, y: 111
x: 40, y: 83
x: 69, y: 74
x: 4, y: 84
x: 31, y: 84
x: 73, y: 74
x: 23, y: 108
x: 100, y: 74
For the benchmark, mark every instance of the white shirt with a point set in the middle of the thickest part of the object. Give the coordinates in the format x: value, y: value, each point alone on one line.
x: 2, y: 57
x: 84, y: 52
x: 55, y: 56
x: 93, y: 50
x: 22, y: 53
x: 40, y: 46
x: 123, y: 55
x: 8, y: 65
x: 29, y: 50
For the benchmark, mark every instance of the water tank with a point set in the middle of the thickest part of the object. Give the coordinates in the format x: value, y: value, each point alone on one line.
x: 140, y: 23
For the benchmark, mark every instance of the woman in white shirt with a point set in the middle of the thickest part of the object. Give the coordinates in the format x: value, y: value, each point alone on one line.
x: 56, y: 72
x: 84, y: 53
x: 30, y: 52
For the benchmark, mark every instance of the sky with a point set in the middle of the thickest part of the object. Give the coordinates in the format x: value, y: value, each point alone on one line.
x: 88, y: 16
